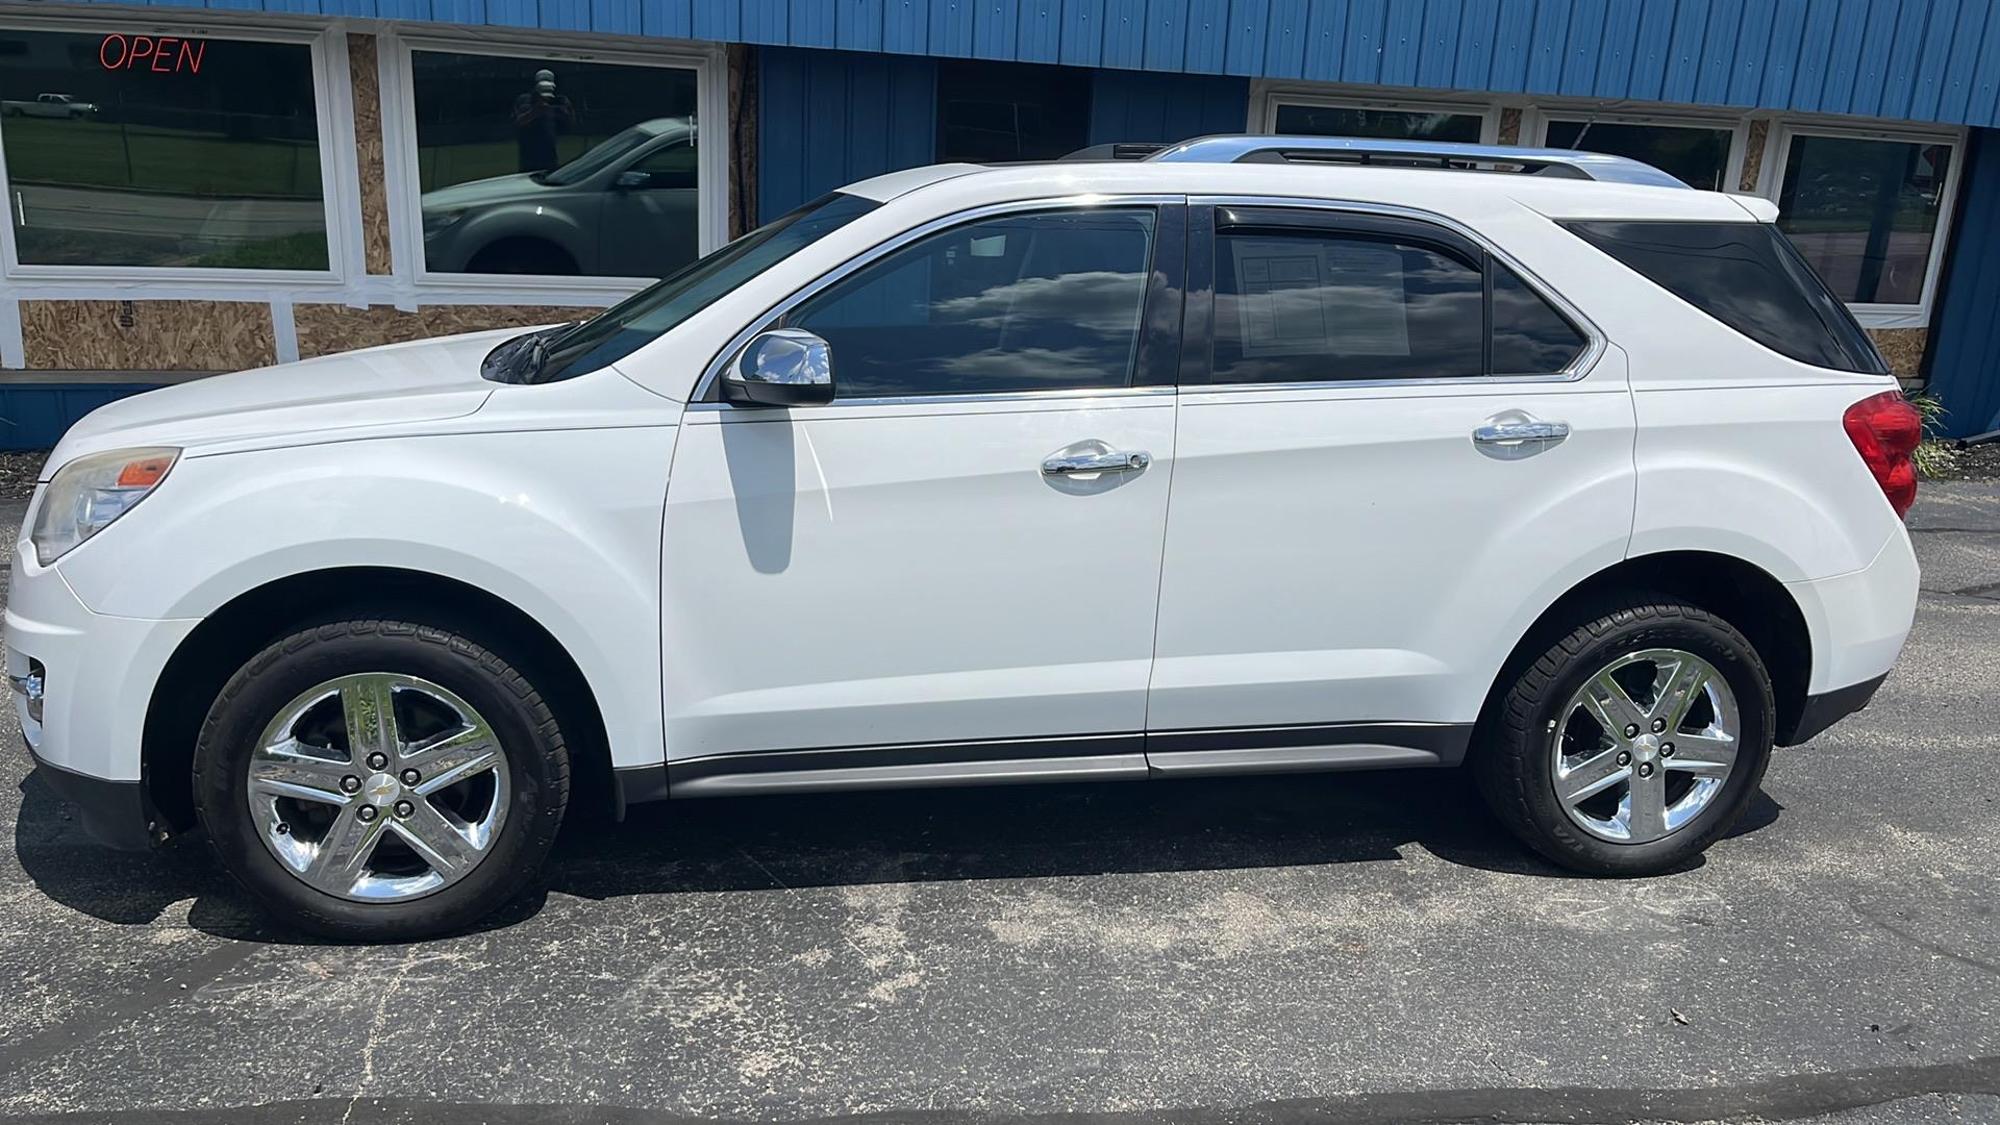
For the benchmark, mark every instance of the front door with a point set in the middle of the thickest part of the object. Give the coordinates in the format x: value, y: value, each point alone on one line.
x: 956, y: 562
x: 1398, y: 453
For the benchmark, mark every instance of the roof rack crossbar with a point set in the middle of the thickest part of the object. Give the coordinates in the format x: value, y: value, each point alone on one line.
x: 1597, y: 166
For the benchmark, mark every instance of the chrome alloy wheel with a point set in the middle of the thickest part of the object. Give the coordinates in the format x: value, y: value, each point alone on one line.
x: 378, y: 787
x: 1645, y: 745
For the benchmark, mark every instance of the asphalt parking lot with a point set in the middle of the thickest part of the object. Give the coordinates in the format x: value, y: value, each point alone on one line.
x: 1342, y: 948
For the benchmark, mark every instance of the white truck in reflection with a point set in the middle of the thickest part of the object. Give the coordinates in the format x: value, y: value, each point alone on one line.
x: 60, y: 106
x: 625, y: 208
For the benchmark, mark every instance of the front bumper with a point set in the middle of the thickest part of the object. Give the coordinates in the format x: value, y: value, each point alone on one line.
x: 114, y: 813
x: 95, y: 674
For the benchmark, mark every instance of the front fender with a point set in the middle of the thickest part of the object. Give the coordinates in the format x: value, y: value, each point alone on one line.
x: 564, y: 526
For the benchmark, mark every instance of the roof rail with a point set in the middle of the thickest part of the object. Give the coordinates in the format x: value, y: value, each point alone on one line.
x: 1561, y: 162
x: 1121, y: 150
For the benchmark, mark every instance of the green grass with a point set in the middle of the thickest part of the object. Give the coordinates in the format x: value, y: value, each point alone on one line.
x: 97, y: 154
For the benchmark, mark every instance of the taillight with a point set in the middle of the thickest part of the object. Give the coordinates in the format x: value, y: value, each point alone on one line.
x: 1885, y: 430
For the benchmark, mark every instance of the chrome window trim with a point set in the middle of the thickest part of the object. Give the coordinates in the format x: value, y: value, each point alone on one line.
x: 776, y: 312
x: 1595, y: 342
x: 1081, y: 394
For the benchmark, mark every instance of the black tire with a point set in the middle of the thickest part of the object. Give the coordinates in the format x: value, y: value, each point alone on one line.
x: 530, y: 740
x: 1514, y: 763
x: 530, y: 256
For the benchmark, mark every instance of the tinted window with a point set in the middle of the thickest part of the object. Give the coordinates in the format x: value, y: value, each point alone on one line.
x: 1529, y: 336
x: 1307, y: 306
x: 1747, y: 276
x: 991, y: 112
x: 646, y: 315
x: 1698, y: 157
x: 519, y: 159
x: 161, y: 150
x: 1020, y: 303
x: 1345, y: 121
x: 1865, y: 213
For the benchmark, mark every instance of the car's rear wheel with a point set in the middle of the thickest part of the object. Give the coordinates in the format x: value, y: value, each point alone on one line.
x: 381, y: 780
x: 1632, y: 742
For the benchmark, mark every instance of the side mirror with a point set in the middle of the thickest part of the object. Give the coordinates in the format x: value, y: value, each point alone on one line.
x: 628, y: 181
x: 781, y: 367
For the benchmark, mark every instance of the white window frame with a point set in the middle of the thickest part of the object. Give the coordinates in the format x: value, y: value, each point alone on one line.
x: 1536, y: 118
x: 1778, y: 155
x: 339, y: 179
x: 405, y: 189
x: 1266, y: 97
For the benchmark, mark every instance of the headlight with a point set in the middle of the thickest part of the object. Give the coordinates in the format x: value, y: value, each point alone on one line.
x: 90, y: 492
x: 437, y: 222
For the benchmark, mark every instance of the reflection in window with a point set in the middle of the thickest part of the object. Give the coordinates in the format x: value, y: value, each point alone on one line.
x: 547, y: 166
x: 1010, y: 111
x: 1382, y: 124
x: 1021, y: 303
x: 159, y: 150
x: 1696, y: 156
x: 1312, y: 306
x: 1865, y: 213
x: 1529, y: 336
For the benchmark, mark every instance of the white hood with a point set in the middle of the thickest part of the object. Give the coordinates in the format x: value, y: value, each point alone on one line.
x: 398, y: 384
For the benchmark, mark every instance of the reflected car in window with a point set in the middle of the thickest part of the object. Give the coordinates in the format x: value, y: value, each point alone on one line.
x: 625, y: 208
x: 60, y: 106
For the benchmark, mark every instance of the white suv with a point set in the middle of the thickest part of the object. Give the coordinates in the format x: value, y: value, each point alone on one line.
x: 1260, y: 454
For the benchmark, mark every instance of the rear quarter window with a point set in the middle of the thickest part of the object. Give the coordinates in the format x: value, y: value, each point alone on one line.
x: 1749, y: 277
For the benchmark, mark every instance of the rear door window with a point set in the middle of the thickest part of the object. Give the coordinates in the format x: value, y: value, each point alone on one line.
x: 1749, y: 277
x: 1316, y: 296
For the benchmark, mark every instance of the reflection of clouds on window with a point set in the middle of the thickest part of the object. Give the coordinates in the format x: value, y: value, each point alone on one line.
x: 1031, y: 302
x: 1097, y: 301
x: 1028, y: 368
x: 1312, y: 306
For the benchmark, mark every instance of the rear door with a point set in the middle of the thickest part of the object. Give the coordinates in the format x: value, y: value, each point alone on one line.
x: 1395, y: 448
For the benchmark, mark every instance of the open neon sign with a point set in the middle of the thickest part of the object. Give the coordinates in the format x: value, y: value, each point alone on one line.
x: 163, y: 55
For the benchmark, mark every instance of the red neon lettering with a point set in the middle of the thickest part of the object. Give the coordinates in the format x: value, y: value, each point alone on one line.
x: 192, y: 58
x: 142, y: 47
x: 104, y: 52
x: 160, y: 55
x: 169, y: 54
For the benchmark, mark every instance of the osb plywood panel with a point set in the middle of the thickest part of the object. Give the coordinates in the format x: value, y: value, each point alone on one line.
x: 1753, y: 154
x: 1510, y: 127
x: 325, y: 329
x: 147, y: 335
x: 1903, y: 348
x: 368, y: 152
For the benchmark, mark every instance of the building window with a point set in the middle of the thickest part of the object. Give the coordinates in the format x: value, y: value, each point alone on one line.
x: 1297, y: 119
x: 1868, y: 213
x: 158, y: 150
x: 1699, y: 155
x: 532, y: 164
x: 991, y: 112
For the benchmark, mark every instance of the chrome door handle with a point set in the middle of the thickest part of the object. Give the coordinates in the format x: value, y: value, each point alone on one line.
x: 1507, y: 432
x: 1109, y: 461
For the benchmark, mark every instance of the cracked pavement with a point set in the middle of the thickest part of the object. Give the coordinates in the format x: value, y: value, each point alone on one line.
x: 1346, y: 948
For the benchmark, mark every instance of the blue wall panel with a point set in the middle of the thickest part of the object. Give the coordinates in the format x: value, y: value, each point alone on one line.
x: 1965, y: 335
x: 826, y: 118
x: 34, y: 415
x: 1136, y: 106
x: 1928, y: 60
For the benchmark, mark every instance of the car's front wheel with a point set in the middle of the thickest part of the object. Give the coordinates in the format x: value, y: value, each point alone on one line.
x: 380, y: 779
x: 1631, y: 743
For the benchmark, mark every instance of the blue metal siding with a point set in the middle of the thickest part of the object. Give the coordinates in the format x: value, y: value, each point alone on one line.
x: 1134, y: 106
x: 1928, y: 60
x: 34, y: 415
x: 828, y: 118
x: 1965, y: 335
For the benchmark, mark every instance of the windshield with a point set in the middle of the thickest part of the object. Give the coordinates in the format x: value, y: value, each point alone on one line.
x: 594, y: 160
x: 643, y: 317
